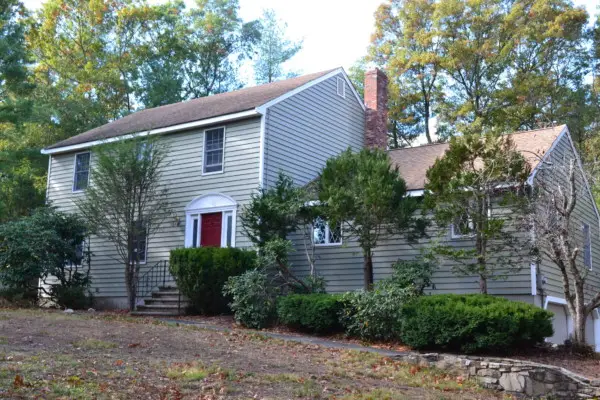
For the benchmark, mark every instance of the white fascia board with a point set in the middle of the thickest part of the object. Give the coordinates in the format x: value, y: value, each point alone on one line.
x: 415, y: 193
x: 261, y: 109
x: 168, y: 129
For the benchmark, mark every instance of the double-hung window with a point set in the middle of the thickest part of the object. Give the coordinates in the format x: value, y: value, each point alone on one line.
x: 214, y: 142
x: 140, y: 241
x: 81, y: 176
x: 462, y: 227
x: 325, y: 234
x: 587, y: 246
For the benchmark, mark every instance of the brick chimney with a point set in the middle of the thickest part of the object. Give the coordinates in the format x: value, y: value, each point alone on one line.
x: 376, y: 97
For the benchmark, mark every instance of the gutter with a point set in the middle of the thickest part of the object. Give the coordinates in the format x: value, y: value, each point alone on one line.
x: 158, y: 131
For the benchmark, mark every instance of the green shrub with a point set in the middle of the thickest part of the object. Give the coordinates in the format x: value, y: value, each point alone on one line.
x: 253, y: 298
x: 75, y: 297
x: 375, y: 314
x: 473, y: 323
x: 200, y: 274
x: 318, y: 313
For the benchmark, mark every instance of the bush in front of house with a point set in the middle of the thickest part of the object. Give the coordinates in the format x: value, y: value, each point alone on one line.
x: 252, y: 298
x: 43, y: 250
x: 200, y: 274
x: 315, y: 313
x: 375, y: 315
x: 473, y: 323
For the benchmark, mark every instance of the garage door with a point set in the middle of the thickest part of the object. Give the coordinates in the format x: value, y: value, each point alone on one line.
x: 559, y: 322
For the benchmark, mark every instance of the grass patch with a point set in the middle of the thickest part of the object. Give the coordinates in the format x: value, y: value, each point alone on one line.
x: 3, y: 340
x: 92, y: 344
x: 75, y: 390
x: 356, y: 364
x: 197, y: 371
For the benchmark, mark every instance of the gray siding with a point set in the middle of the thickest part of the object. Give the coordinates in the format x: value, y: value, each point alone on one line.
x: 555, y: 169
x: 183, y: 176
x: 342, y: 266
x: 306, y: 129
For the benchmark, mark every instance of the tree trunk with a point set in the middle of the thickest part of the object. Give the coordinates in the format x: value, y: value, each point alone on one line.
x: 130, y: 283
x: 579, y: 320
x: 368, y: 270
x: 483, y: 284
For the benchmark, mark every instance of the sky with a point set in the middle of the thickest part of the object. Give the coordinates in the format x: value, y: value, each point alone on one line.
x: 334, y: 32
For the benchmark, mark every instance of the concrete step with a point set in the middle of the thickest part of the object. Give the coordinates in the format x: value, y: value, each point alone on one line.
x: 162, y: 313
x: 162, y: 293
x: 162, y: 301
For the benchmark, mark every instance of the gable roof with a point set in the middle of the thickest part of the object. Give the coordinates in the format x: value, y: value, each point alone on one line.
x: 192, y: 110
x: 413, y: 162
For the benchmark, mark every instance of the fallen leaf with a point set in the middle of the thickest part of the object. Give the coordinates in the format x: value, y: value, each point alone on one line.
x: 18, y: 382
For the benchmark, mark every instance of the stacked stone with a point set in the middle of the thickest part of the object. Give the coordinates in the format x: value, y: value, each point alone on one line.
x: 517, y: 377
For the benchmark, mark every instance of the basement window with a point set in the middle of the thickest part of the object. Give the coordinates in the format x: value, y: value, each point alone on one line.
x: 341, y: 87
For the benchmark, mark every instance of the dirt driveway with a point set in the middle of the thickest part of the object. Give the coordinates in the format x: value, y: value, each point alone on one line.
x: 51, y: 355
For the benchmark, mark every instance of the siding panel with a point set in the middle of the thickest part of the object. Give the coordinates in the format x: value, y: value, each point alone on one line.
x: 183, y: 175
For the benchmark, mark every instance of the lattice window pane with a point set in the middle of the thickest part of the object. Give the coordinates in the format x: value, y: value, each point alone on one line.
x: 213, y: 150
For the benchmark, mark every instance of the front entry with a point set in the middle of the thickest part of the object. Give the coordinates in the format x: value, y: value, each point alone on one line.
x: 210, y: 230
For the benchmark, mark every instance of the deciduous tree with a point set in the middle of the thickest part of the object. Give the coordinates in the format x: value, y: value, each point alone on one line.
x: 127, y: 201
x: 475, y: 189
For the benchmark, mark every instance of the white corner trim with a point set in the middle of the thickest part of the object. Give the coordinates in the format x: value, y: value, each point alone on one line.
x: 262, y: 109
x: 48, y: 179
x: 168, y: 129
x: 261, y: 152
x: 533, y: 267
x: 554, y: 300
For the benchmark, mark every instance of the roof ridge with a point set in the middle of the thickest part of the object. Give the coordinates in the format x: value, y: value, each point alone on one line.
x: 243, y: 89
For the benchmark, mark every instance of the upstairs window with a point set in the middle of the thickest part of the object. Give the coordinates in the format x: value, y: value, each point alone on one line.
x: 81, y: 176
x: 214, y: 140
x: 324, y: 234
x: 587, y: 246
x: 341, y: 87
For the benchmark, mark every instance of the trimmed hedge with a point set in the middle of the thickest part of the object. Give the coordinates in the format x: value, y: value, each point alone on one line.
x: 200, y: 274
x: 473, y: 323
x: 317, y: 313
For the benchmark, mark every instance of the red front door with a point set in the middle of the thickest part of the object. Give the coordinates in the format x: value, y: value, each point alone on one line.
x: 210, y: 230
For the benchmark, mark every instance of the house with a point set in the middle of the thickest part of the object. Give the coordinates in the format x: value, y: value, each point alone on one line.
x: 224, y: 147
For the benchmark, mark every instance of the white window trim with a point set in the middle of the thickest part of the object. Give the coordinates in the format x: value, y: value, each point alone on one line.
x: 327, y: 233
x: 590, y: 242
x: 341, y: 81
x: 220, y: 203
x: 146, y: 253
x: 204, y: 151
x: 75, y: 172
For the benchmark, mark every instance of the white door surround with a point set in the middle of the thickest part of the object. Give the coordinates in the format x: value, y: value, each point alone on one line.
x: 207, y: 204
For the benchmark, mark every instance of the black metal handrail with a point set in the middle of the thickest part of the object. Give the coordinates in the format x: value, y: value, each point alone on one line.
x: 156, y: 277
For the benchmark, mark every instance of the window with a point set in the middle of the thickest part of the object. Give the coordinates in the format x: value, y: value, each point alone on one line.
x: 324, y: 235
x: 214, y: 140
x: 144, y: 150
x: 341, y: 87
x: 228, y: 223
x: 462, y: 227
x: 140, y: 244
x: 81, y: 176
x: 587, y: 246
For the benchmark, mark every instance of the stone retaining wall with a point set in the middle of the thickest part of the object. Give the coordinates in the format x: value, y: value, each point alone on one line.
x: 522, y: 378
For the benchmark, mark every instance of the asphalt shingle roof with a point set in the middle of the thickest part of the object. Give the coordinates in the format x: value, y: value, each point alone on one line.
x: 413, y: 162
x: 192, y: 110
